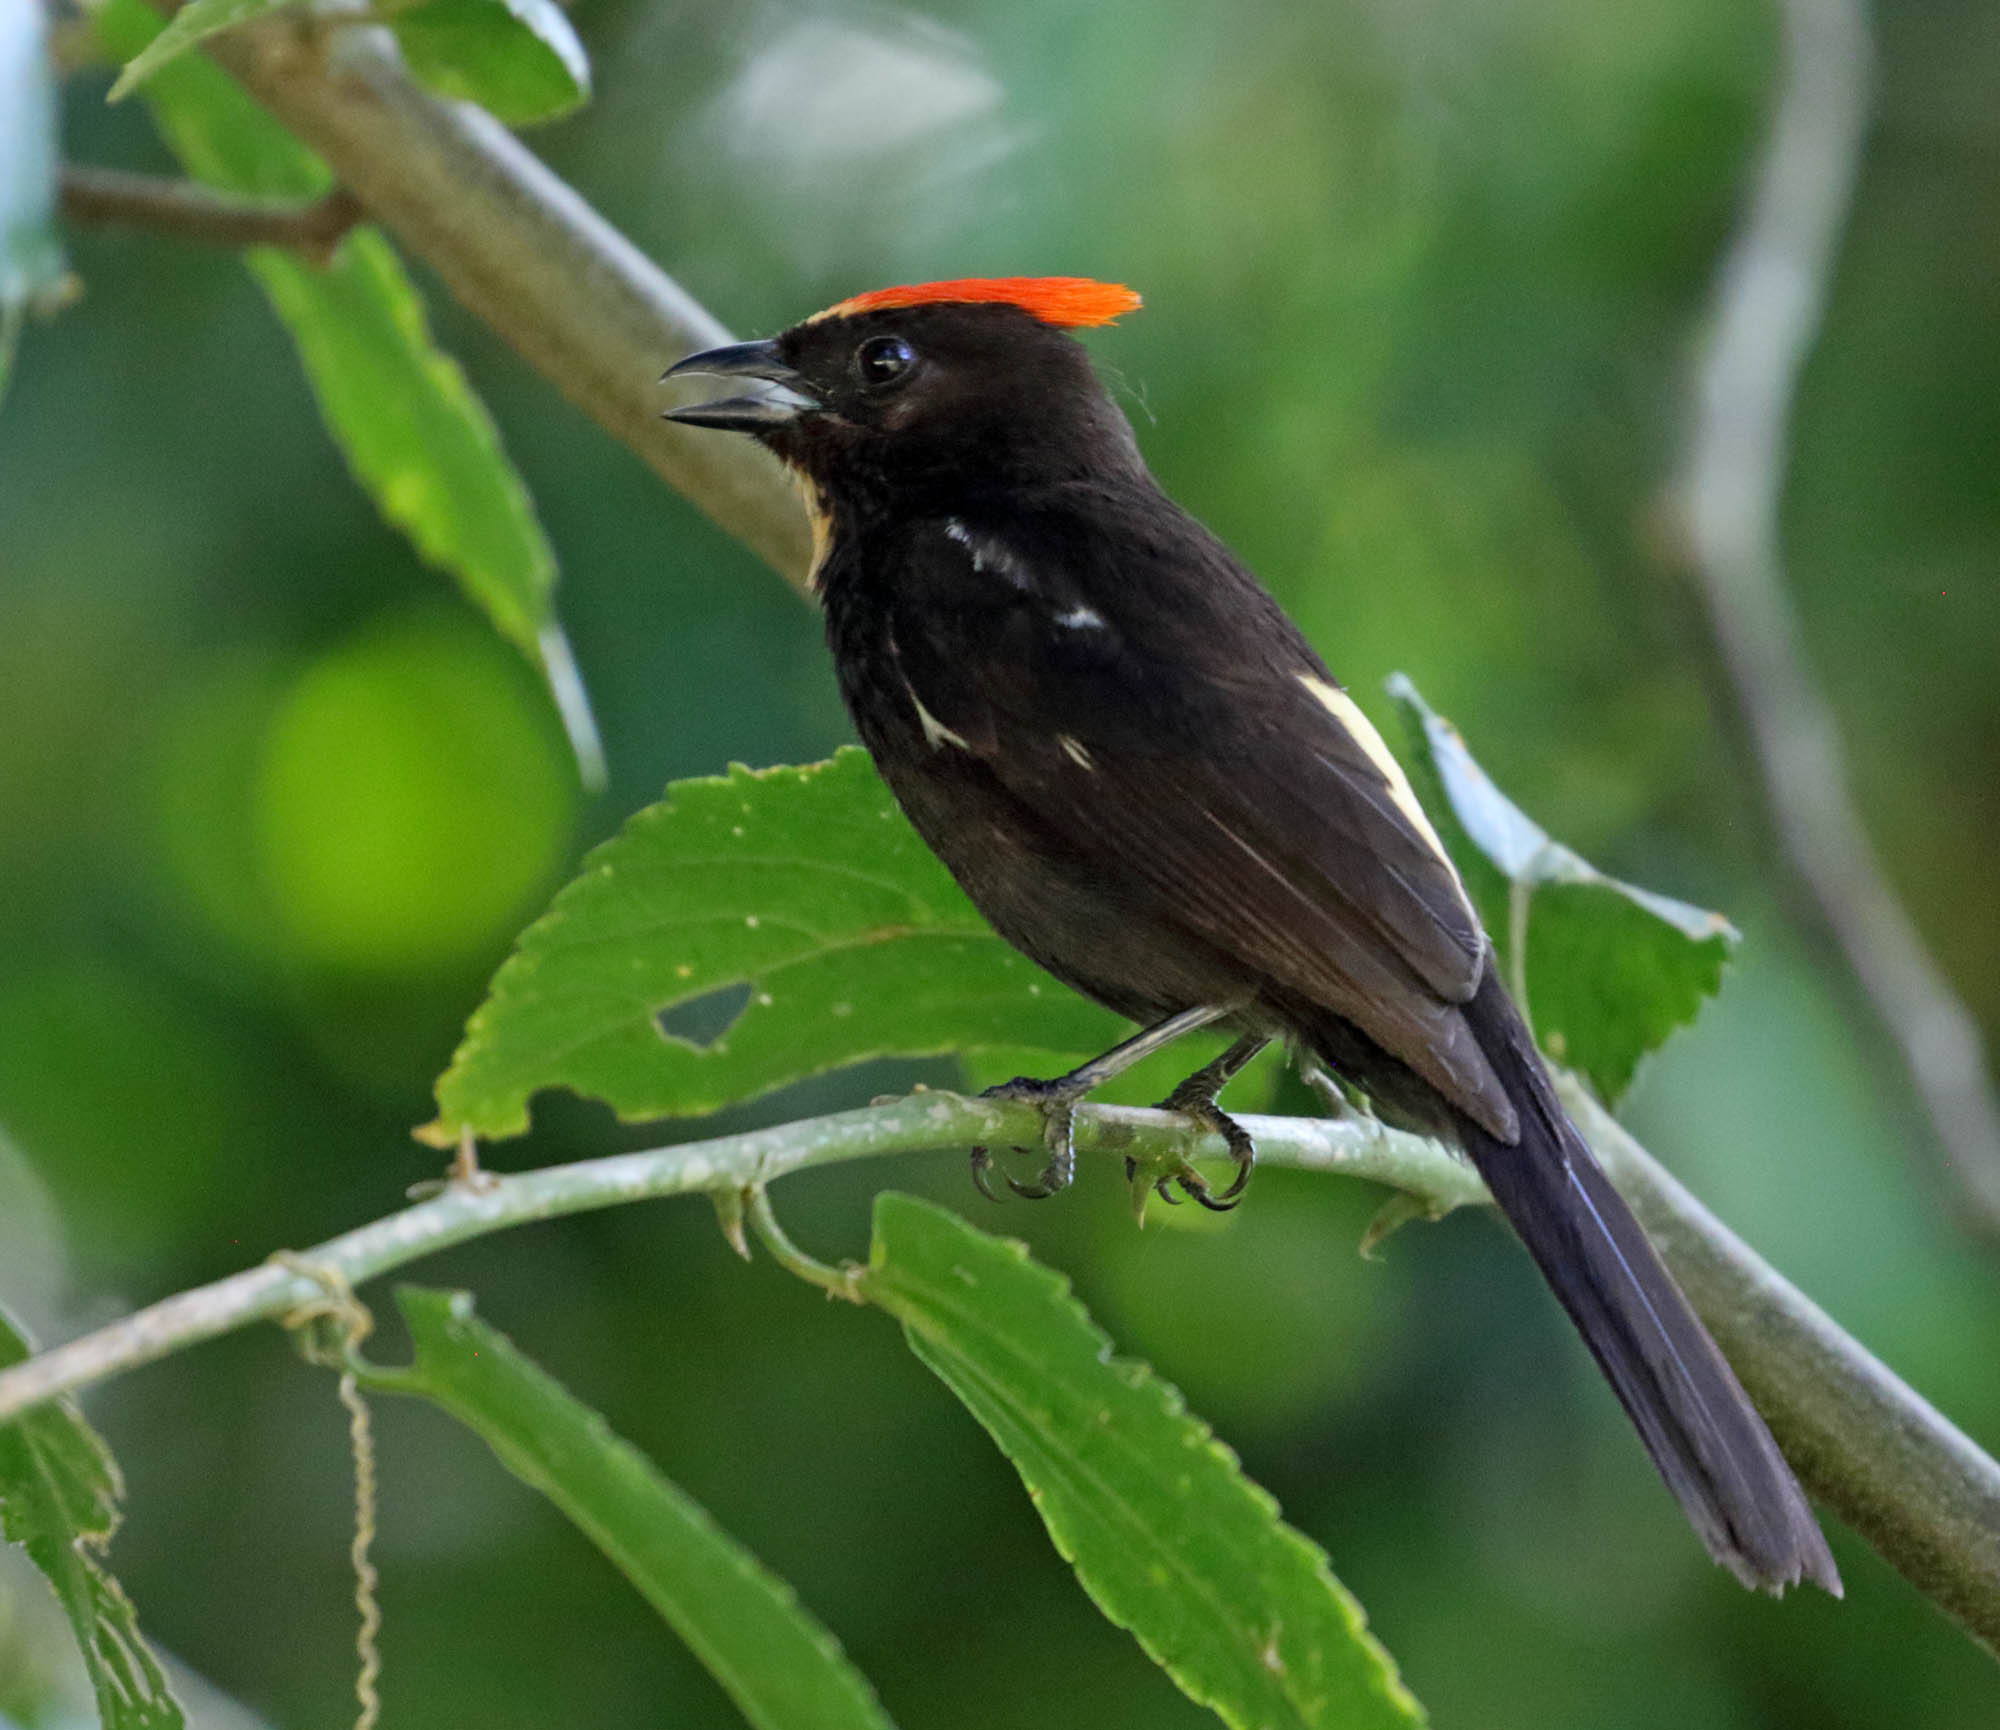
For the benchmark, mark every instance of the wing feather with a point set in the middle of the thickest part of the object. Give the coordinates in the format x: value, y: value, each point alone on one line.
x: 1188, y: 743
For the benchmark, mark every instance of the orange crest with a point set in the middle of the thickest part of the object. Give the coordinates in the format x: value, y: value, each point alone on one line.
x: 1067, y: 302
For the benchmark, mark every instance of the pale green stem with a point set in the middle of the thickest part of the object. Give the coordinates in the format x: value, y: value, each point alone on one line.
x: 924, y: 1122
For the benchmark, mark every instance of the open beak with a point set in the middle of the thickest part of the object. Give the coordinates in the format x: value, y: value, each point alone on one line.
x: 781, y: 400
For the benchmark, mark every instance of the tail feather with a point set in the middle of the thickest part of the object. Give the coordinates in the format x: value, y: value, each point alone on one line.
x: 1705, y: 1437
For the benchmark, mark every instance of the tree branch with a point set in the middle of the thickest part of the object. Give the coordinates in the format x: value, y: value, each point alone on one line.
x: 1769, y: 300
x: 1863, y: 1443
x: 924, y: 1122
x: 104, y: 197
x: 522, y: 252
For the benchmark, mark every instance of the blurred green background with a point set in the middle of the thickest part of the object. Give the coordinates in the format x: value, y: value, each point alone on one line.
x: 1422, y: 287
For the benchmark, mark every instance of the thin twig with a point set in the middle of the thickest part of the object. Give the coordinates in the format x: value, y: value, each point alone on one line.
x: 523, y: 253
x: 1769, y: 300
x: 109, y: 197
x: 924, y: 1122
x: 330, y: 1331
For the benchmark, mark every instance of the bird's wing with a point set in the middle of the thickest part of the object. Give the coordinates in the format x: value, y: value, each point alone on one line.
x: 1130, y: 684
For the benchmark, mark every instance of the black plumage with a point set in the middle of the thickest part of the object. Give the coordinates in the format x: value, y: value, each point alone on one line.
x: 1148, y: 781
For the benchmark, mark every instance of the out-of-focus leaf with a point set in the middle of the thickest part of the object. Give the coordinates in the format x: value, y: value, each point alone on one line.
x: 416, y: 435
x: 198, y: 18
x: 1167, y: 1535
x: 33, y: 273
x: 1612, y: 970
x: 750, y: 930
x: 59, y: 1494
x: 518, y: 59
x: 780, y: 1665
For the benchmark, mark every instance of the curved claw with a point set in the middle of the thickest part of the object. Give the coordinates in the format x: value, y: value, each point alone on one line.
x: 1242, y: 1152
x: 1164, y: 1193
x: 982, y: 1164
x: 1055, y: 1176
x: 1245, y: 1160
x: 1223, y: 1203
x: 1061, y: 1168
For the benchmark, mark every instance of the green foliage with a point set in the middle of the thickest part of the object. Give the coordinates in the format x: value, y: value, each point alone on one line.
x: 1428, y: 380
x: 59, y: 1495
x: 806, y: 892
x: 1167, y: 1535
x: 779, y: 1664
x: 803, y: 889
x: 413, y: 430
x: 168, y: 42
x: 518, y: 59
x: 1611, y: 969
x: 32, y: 269
x: 411, y: 803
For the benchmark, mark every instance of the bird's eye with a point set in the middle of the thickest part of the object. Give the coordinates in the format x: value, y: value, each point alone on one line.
x: 883, y: 359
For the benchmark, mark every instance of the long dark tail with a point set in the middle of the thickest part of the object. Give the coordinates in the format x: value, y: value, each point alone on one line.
x: 1705, y: 1437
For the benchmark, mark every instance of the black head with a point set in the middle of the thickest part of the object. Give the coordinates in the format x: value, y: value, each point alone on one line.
x: 915, y: 392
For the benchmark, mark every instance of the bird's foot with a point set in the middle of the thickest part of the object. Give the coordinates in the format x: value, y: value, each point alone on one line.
x: 1057, y: 1101
x: 1194, y: 1099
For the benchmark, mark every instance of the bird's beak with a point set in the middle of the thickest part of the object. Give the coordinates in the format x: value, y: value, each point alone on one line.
x: 783, y: 398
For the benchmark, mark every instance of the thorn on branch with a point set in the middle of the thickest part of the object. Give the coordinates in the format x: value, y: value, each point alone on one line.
x: 109, y: 197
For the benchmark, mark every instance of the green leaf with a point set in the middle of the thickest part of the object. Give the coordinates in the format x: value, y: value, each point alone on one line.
x: 518, y: 59
x: 415, y: 434
x: 1611, y: 969
x: 59, y: 1494
x: 1166, y: 1533
x: 195, y: 20
x: 34, y: 276
x: 781, y: 1666
x: 786, y: 922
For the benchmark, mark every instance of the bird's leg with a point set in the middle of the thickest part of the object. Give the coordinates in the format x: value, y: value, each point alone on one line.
x: 1058, y: 1098
x: 1195, y: 1100
x: 1314, y: 1072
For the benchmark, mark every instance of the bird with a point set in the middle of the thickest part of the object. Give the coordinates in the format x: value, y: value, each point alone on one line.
x: 1150, y: 783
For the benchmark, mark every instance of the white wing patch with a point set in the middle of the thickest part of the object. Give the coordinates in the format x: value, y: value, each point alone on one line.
x: 1347, y: 713
x: 1073, y: 749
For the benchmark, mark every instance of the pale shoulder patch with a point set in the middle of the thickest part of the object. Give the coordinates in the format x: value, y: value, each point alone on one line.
x: 1361, y: 730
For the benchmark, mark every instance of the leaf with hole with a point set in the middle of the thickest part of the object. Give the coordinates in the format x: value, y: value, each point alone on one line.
x: 1612, y: 970
x: 751, y: 930
x: 59, y: 1495
x: 1166, y: 1533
